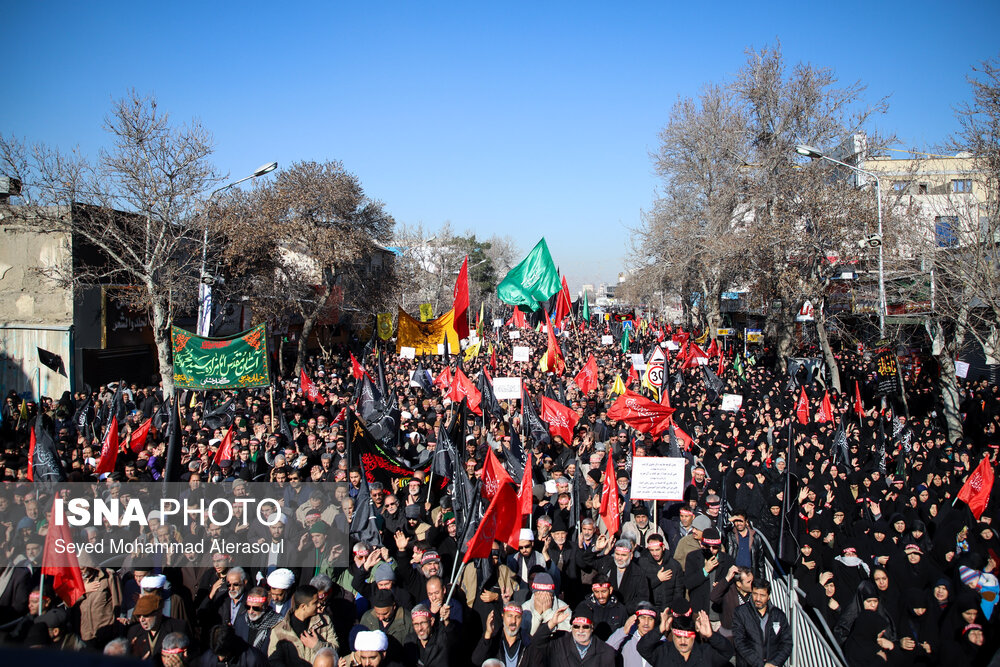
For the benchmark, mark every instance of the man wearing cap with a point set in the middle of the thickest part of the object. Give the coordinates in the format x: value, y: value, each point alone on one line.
x: 56, y: 621
x: 579, y: 646
x: 639, y: 527
x: 761, y: 634
x: 692, y: 541
x: 147, y: 634
x: 390, y: 618
x: 510, y: 644
x: 704, y: 567
x: 681, y: 647
x: 625, y: 639
x: 428, y: 643
x: 526, y: 556
x: 297, y: 638
x: 543, y: 604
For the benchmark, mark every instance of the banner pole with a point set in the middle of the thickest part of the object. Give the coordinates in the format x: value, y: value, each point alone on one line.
x: 272, y: 408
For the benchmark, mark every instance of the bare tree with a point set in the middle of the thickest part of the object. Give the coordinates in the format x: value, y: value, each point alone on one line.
x: 310, y: 243
x: 137, y: 204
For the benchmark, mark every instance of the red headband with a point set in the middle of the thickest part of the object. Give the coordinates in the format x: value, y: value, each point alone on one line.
x: 582, y: 619
x: 256, y: 599
x: 513, y: 608
x: 416, y: 613
x: 683, y: 633
x: 172, y: 651
x: 543, y: 587
x: 970, y: 627
x: 711, y: 542
x: 645, y: 612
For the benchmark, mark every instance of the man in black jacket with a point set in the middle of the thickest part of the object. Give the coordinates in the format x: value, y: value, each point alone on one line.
x: 666, y: 578
x: 603, y: 608
x: 568, y: 649
x: 510, y: 645
x: 761, y: 633
x: 680, y: 648
x: 628, y: 580
x: 744, y: 544
x: 429, y: 642
x: 703, y: 568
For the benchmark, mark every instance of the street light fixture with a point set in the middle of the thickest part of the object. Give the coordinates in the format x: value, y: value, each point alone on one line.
x: 813, y: 154
x: 205, y: 284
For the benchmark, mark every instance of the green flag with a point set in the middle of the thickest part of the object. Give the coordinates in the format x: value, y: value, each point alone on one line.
x: 586, y: 309
x: 534, y: 280
x: 738, y: 366
x: 625, y: 341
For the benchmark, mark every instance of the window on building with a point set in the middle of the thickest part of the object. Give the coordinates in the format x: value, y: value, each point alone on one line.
x: 961, y: 185
x: 900, y: 186
x: 922, y: 189
x: 946, y: 231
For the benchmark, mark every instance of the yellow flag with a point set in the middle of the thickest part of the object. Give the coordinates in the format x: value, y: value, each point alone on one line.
x: 23, y: 416
x: 426, y: 312
x: 385, y: 326
x: 472, y: 351
x: 619, y: 386
x: 424, y: 337
x: 194, y: 399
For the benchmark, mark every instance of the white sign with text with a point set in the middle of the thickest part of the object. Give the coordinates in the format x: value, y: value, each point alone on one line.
x: 507, y: 389
x: 522, y: 353
x: 658, y: 478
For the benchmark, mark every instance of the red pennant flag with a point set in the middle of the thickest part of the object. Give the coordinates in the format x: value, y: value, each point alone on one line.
x: 309, y: 389
x: 494, y: 476
x: 499, y: 522
x: 802, y: 408
x: 560, y: 418
x: 713, y: 349
x: 493, y: 359
x: 463, y: 387
x: 859, y: 407
x: 722, y: 367
x: 586, y: 379
x: 976, y: 491
x: 357, y: 370
x: 225, y: 451
x: 640, y: 413
x: 686, y: 440
x: 633, y: 376
x: 109, y: 449
x: 825, y: 413
x: 564, y: 305
x: 553, y: 359
x: 610, y: 510
x: 461, y: 304
x: 524, y: 498
x: 61, y: 566
x: 137, y: 440
x: 31, y: 456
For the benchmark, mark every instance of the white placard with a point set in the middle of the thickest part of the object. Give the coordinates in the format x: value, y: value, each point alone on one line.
x: 515, y: 334
x: 497, y: 322
x: 961, y: 369
x: 522, y: 353
x: 732, y: 402
x: 607, y: 340
x: 441, y: 349
x: 507, y: 389
x: 473, y: 339
x: 638, y: 362
x: 672, y: 346
x: 409, y: 352
x: 658, y: 478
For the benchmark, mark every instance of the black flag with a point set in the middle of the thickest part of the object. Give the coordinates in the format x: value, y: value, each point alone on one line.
x: 45, y: 463
x: 379, y: 464
x: 713, y: 385
x: 364, y: 524
x: 220, y: 416
x: 380, y: 413
x: 488, y: 403
x: 534, y: 427
x: 383, y: 386
x: 422, y: 378
x: 840, y: 451
x: 52, y: 361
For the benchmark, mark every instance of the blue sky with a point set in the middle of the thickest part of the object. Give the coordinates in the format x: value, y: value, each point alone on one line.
x: 528, y: 119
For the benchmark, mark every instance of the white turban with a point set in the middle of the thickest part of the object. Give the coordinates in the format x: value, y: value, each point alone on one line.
x: 371, y: 640
x: 281, y: 578
x: 153, y: 581
x: 526, y: 534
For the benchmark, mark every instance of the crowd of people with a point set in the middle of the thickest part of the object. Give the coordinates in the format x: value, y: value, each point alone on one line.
x: 886, y: 556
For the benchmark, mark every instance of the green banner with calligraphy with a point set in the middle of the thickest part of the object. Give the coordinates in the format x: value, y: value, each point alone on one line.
x: 220, y: 363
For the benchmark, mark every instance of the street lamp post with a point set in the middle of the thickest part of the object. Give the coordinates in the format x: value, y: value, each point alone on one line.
x: 205, y: 284
x: 814, y: 154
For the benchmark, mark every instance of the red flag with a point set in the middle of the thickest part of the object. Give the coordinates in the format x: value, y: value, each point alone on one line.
x: 685, y: 439
x: 137, y: 440
x: 499, y: 522
x: 722, y: 367
x: 493, y: 358
x: 976, y: 491
x: 462, y: 300
x: 225, y: 451
x: 802, y: 408
x: 825, y: 413
x: 633, y: 376
x: 859, y: 407
x: 517, y: 319
x: 640, y: 413
x: 443, y: 380
x: 109, y: 449
x: 31, y: 456
x: 62, y: 566
x: 463, y: 387
x: 610, y: 511
x: 524, y: 498
x: 586, y: 379
x: 564, y: 305
x: 357, y: 370
x: 494, y: 476
x: 309, y: 389
x: 713, y: 348
x: 694, y: 353
x: 560, y: 418
x: 553, y: 359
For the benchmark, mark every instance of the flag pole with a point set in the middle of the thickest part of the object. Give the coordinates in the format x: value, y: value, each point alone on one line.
x: 271, y: 392
x: 430, y: 481
x: 41, y: 592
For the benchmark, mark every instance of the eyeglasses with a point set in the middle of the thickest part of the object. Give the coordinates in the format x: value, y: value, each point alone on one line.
x: 236, y: 585
x: 581, y: 627
x: 249, y: 608
x: 391, y: 504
